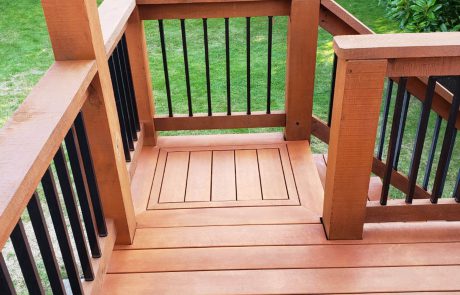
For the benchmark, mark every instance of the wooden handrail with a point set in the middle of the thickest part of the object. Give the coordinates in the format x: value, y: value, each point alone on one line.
x: 338, y: 21
x: 29, y: 140
x: 396, y: 46
x: 114, y: 15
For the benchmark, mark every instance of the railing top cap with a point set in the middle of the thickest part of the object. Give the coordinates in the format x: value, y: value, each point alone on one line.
x: 386, y: 46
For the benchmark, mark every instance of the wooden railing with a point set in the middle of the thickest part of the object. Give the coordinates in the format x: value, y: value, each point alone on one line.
x: 96, y: 103
x: 363, y: 64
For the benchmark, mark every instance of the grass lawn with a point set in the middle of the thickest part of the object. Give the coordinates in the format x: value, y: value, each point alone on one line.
x: 25, y: 54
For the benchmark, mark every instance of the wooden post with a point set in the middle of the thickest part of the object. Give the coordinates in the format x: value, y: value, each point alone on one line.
x: 75, y: 33
x: 137, y: 48
x: 300, y: 67
x: 358, y: 94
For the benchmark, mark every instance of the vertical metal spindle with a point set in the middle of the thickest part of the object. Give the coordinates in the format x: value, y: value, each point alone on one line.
x: 402, y: 127
x: 44, y: 243
x: 165, y: 66
x: 420, y: 138
x: 248, y: 65
x: 457, y: 188
x: 434, y: 143
x: 227, y: 63
x: 130, y: 83
x: 129, y: 122
x: 386, y: 111
x: 60, y: 227
x: 129, y: 99
x: 393, y: 140
x: 187, y: 74
x: 447, y: 147
x: 90, y: 175
x: 26, y: 260
x: 331, y: 99
x: 6, y: 284
x: 72, y: 211
x: 269, y: 63
x: 81, y: 185
x: 206, y: 59
x: 121, y: 118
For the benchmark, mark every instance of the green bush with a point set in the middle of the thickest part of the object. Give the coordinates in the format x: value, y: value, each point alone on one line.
x: 425, y: 15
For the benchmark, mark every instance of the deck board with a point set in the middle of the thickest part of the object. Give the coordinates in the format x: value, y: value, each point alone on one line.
x: 289, y: 281
x: 265, y: 236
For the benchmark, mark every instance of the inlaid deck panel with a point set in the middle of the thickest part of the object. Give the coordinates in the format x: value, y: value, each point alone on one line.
x: 221, y: 245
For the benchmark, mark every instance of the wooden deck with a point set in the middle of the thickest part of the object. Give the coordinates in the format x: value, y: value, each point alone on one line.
x: 241, y: 215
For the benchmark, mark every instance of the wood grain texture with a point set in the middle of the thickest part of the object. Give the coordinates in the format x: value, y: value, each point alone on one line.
x: 310, y: 190
x: 226, y: 216
x: 290, y: 234
x: 50, y: 108
x: 199, y: 177
x: 225, y: 204
x: 358, y: 94
x: 271, y: 174
x: 419, y: 210
x: 175, y: 178
x: 138, y: 145
x: 283, y: 257
x: 408, y: 45
x: 223, y: 176
x: 300, y: 67
x: 214, y: 9
x: 220, y: 121
x: 248, y: 179
x: 300, y: 281
x: 157, y: 179
x: 141, y: 183
x: 114, y: 15
x: 140, y: 71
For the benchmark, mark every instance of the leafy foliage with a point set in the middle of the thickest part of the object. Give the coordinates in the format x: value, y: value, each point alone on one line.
x: 425, y: 15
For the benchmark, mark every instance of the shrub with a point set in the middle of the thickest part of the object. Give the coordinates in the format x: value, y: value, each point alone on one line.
x: 425, y: 15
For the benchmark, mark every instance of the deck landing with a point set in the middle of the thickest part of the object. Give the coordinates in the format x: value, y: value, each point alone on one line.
x: 192, y: 240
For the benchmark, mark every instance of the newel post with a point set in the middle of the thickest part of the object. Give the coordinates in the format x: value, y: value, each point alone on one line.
x: 137, y: 49
x: 75, y: 34
x: 357, y: 99
x: 300, y: 67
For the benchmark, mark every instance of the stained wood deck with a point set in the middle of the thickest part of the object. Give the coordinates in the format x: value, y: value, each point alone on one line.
x: 255, y: 228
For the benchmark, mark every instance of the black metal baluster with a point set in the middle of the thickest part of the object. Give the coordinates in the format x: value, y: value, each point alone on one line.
x: 248, y: 65
x: 331, y: 100
x: 447, y: 147
x: 127, y: 97
x: 402, y: 127
x: 434, y: 143
x: 72, y: 212
x: 26, y: 260
x: 6, y: 284
x: 130, y: 83
x: 123, y: 97
x: 386, y: 111
x: 79, y: 177
x: 269, y: 63
x: 227, y: 64
x: 60, y: 227
x: 44, y: 243
x: 420, y: 138
x: 457, y: 188
x: 187, y: 74
x: 165, y: 66
x: 90, y: 175
x: 393, y: 140
x: 121, y: 118
x: 206, y: 59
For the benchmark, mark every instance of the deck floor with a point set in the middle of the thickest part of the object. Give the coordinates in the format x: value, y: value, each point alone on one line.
x: 255, y: 229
